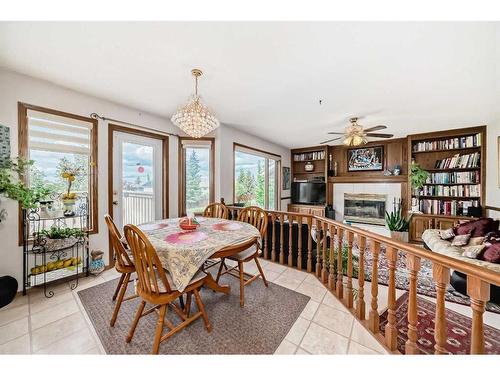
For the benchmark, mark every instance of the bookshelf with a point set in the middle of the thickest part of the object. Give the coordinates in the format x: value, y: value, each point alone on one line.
x: 455, y: 189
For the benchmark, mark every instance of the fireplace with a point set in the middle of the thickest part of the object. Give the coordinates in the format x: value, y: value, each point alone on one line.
x: 365, y: 208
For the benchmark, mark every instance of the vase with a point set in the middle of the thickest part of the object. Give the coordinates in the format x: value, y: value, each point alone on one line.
x: 69, y: 206
x: 309, y: 167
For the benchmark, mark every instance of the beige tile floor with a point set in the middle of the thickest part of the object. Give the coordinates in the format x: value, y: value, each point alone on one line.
x: 34, y: 324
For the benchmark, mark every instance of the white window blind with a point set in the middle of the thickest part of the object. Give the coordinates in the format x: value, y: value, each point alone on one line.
x: 48, y: 132
x: 256, y: 153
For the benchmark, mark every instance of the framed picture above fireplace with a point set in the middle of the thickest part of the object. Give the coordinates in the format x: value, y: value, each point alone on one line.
x: 365, y: 159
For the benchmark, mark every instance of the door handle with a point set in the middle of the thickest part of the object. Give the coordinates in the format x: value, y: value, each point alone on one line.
x: 115, y: 203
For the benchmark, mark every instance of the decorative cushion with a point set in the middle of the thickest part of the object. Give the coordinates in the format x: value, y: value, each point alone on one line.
x: 476, y: 241
x: 492, y: 253
x: 477, y: 228
x: 492, y: 237
x: 460, y: 240
x: 447, y: 234
x: 473, y: 252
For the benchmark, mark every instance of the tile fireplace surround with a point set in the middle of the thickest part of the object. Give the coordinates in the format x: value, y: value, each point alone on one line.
x: 390, y: 190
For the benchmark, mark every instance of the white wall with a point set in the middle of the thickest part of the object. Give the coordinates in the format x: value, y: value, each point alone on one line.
x: 225, y: 138
x: 492, y: 166
x: 16, y: 88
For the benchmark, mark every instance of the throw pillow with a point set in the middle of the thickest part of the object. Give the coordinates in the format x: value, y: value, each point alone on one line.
x: 492, y: 254
x: 460, y: 240
x: 492, y: 237
x: 478, y: 228
x: 447, y: 234
x: 473, y: 252
x: 476, y: 241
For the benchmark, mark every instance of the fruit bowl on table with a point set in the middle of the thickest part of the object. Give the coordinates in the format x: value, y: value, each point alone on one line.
x: 188, y: 223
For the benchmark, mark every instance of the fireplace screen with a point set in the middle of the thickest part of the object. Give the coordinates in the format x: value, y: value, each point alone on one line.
x: 365, y: 208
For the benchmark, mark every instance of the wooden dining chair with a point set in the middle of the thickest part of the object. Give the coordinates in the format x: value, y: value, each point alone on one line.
x: 123, y: 265
x: 258, y: 218
x: 155, y: 287
x: 216, y: 210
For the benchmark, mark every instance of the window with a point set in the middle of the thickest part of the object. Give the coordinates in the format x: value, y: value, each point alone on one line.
x: 256, y: 179
x: 55, y: 140
x: 196, y: 174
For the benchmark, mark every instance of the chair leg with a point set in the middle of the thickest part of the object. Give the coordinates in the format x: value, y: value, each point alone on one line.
x: 118, y: 286
x: 187, y: 308
x: 201, y: 307
x: 242, y: 284
x: 136, y: 320
x: 222, y: 264
x: 159, y: 328
x: 261, y: 271
x: 123, y: 289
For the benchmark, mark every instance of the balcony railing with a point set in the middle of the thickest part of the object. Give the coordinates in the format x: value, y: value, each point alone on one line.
x: 320, y: 259
x: 138, y: 207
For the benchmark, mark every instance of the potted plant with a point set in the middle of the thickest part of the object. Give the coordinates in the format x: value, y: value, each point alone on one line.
x: 69, y: 171
x: 398, y: 224
x: 418, y: 177
x: 58, y: 238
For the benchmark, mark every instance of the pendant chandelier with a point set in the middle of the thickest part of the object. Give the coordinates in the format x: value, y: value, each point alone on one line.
x: 194, y: 118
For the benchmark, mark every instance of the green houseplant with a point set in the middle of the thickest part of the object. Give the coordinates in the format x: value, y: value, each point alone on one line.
x: 418, y: 176
x: 58, y: 238
x: 397, y: 224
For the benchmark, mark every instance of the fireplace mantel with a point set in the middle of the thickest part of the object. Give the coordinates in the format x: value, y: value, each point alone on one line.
x: 364, y: 179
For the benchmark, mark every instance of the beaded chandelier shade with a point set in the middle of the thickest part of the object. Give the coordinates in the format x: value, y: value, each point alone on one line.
x: 194, y: 118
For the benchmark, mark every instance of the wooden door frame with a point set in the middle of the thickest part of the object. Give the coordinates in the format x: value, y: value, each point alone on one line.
x: 181, y: 169
x: 112, y: 128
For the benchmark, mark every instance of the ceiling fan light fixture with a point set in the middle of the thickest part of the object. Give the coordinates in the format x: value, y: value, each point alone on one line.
x: 194, y: 118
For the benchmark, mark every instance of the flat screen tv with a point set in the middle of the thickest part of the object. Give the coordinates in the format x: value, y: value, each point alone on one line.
x: 309, y: 192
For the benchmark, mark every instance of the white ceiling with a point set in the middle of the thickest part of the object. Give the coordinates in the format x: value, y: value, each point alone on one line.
x: 268, y: 78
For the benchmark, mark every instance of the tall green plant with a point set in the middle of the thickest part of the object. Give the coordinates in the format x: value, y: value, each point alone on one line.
x: 418, y: 176
x: 396, y: 221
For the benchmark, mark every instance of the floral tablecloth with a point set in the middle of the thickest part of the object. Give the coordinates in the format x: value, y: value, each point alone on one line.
x: 183, y: 252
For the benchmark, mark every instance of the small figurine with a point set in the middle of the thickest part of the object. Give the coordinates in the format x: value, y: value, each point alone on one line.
x: 96, y: 262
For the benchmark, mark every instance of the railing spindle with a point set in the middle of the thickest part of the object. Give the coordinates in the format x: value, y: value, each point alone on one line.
x: 299, y: 242
x: 340, y: 278
x: 331, y: 268
x: 413, y: 264
x: 479, y: 293
x: 309, y: 244
x: 318, y: 249
x: 273, y: 250
x: 282, y: 239
x: 350, y: 294
x: 391, y: 331
x: 373, y: 316
x: 290, y: 230
x: 266, y: 245
x: 324, y: 268
x: 441, y: 276
x: 360, y: 304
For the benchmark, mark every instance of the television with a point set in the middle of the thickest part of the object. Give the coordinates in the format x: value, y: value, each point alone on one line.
x: 309, y: 192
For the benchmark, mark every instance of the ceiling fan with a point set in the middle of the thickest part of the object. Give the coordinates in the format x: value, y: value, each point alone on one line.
x: 355, y: 135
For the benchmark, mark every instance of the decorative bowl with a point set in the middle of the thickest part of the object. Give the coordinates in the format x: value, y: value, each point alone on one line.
x: 188, y: 223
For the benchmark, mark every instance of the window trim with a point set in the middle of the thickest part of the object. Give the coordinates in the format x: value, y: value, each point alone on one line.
x: 182, y: 178
x: 275, y: 157
x: 22, y: 110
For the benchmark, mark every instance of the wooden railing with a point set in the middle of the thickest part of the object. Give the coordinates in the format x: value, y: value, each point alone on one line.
x: 321, y: 258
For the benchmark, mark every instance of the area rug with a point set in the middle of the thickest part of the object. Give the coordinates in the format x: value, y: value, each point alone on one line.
x: 458, y: 329
x: 425, y: 283
x: 257, y: 328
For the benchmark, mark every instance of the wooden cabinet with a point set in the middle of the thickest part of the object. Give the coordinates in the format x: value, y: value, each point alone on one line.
x: 419, y: 223
x: 307, y: 209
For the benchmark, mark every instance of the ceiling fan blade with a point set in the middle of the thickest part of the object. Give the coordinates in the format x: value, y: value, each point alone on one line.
x: 379, y: 135
x: 336, y: 132
x: 375, y: 128
x: 330, y: 140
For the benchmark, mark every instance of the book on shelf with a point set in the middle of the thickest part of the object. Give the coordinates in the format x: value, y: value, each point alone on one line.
x: 443, y: 207
x: 309, y: 156
x: 449, y: 144
x: 459, y: 161
x: 470, y: 177
x: 472, y: 191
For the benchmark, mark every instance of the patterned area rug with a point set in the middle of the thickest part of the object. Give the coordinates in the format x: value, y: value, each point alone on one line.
x: 425, y: 283
x: 258, y: 328
x: 458, y: 329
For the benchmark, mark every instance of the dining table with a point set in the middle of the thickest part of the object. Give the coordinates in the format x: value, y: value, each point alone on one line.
x: 184, y: 252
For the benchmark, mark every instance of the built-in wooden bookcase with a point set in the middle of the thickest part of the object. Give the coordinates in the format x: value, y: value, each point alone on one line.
x: 456, y: 161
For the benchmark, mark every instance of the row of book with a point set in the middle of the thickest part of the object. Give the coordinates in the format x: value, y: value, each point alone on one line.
x: 471, y: 177
x: 316, y: 155
x: 451, y: 191
x: 449, y: 144
x: 459, y: 161
x: 442, y: 207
